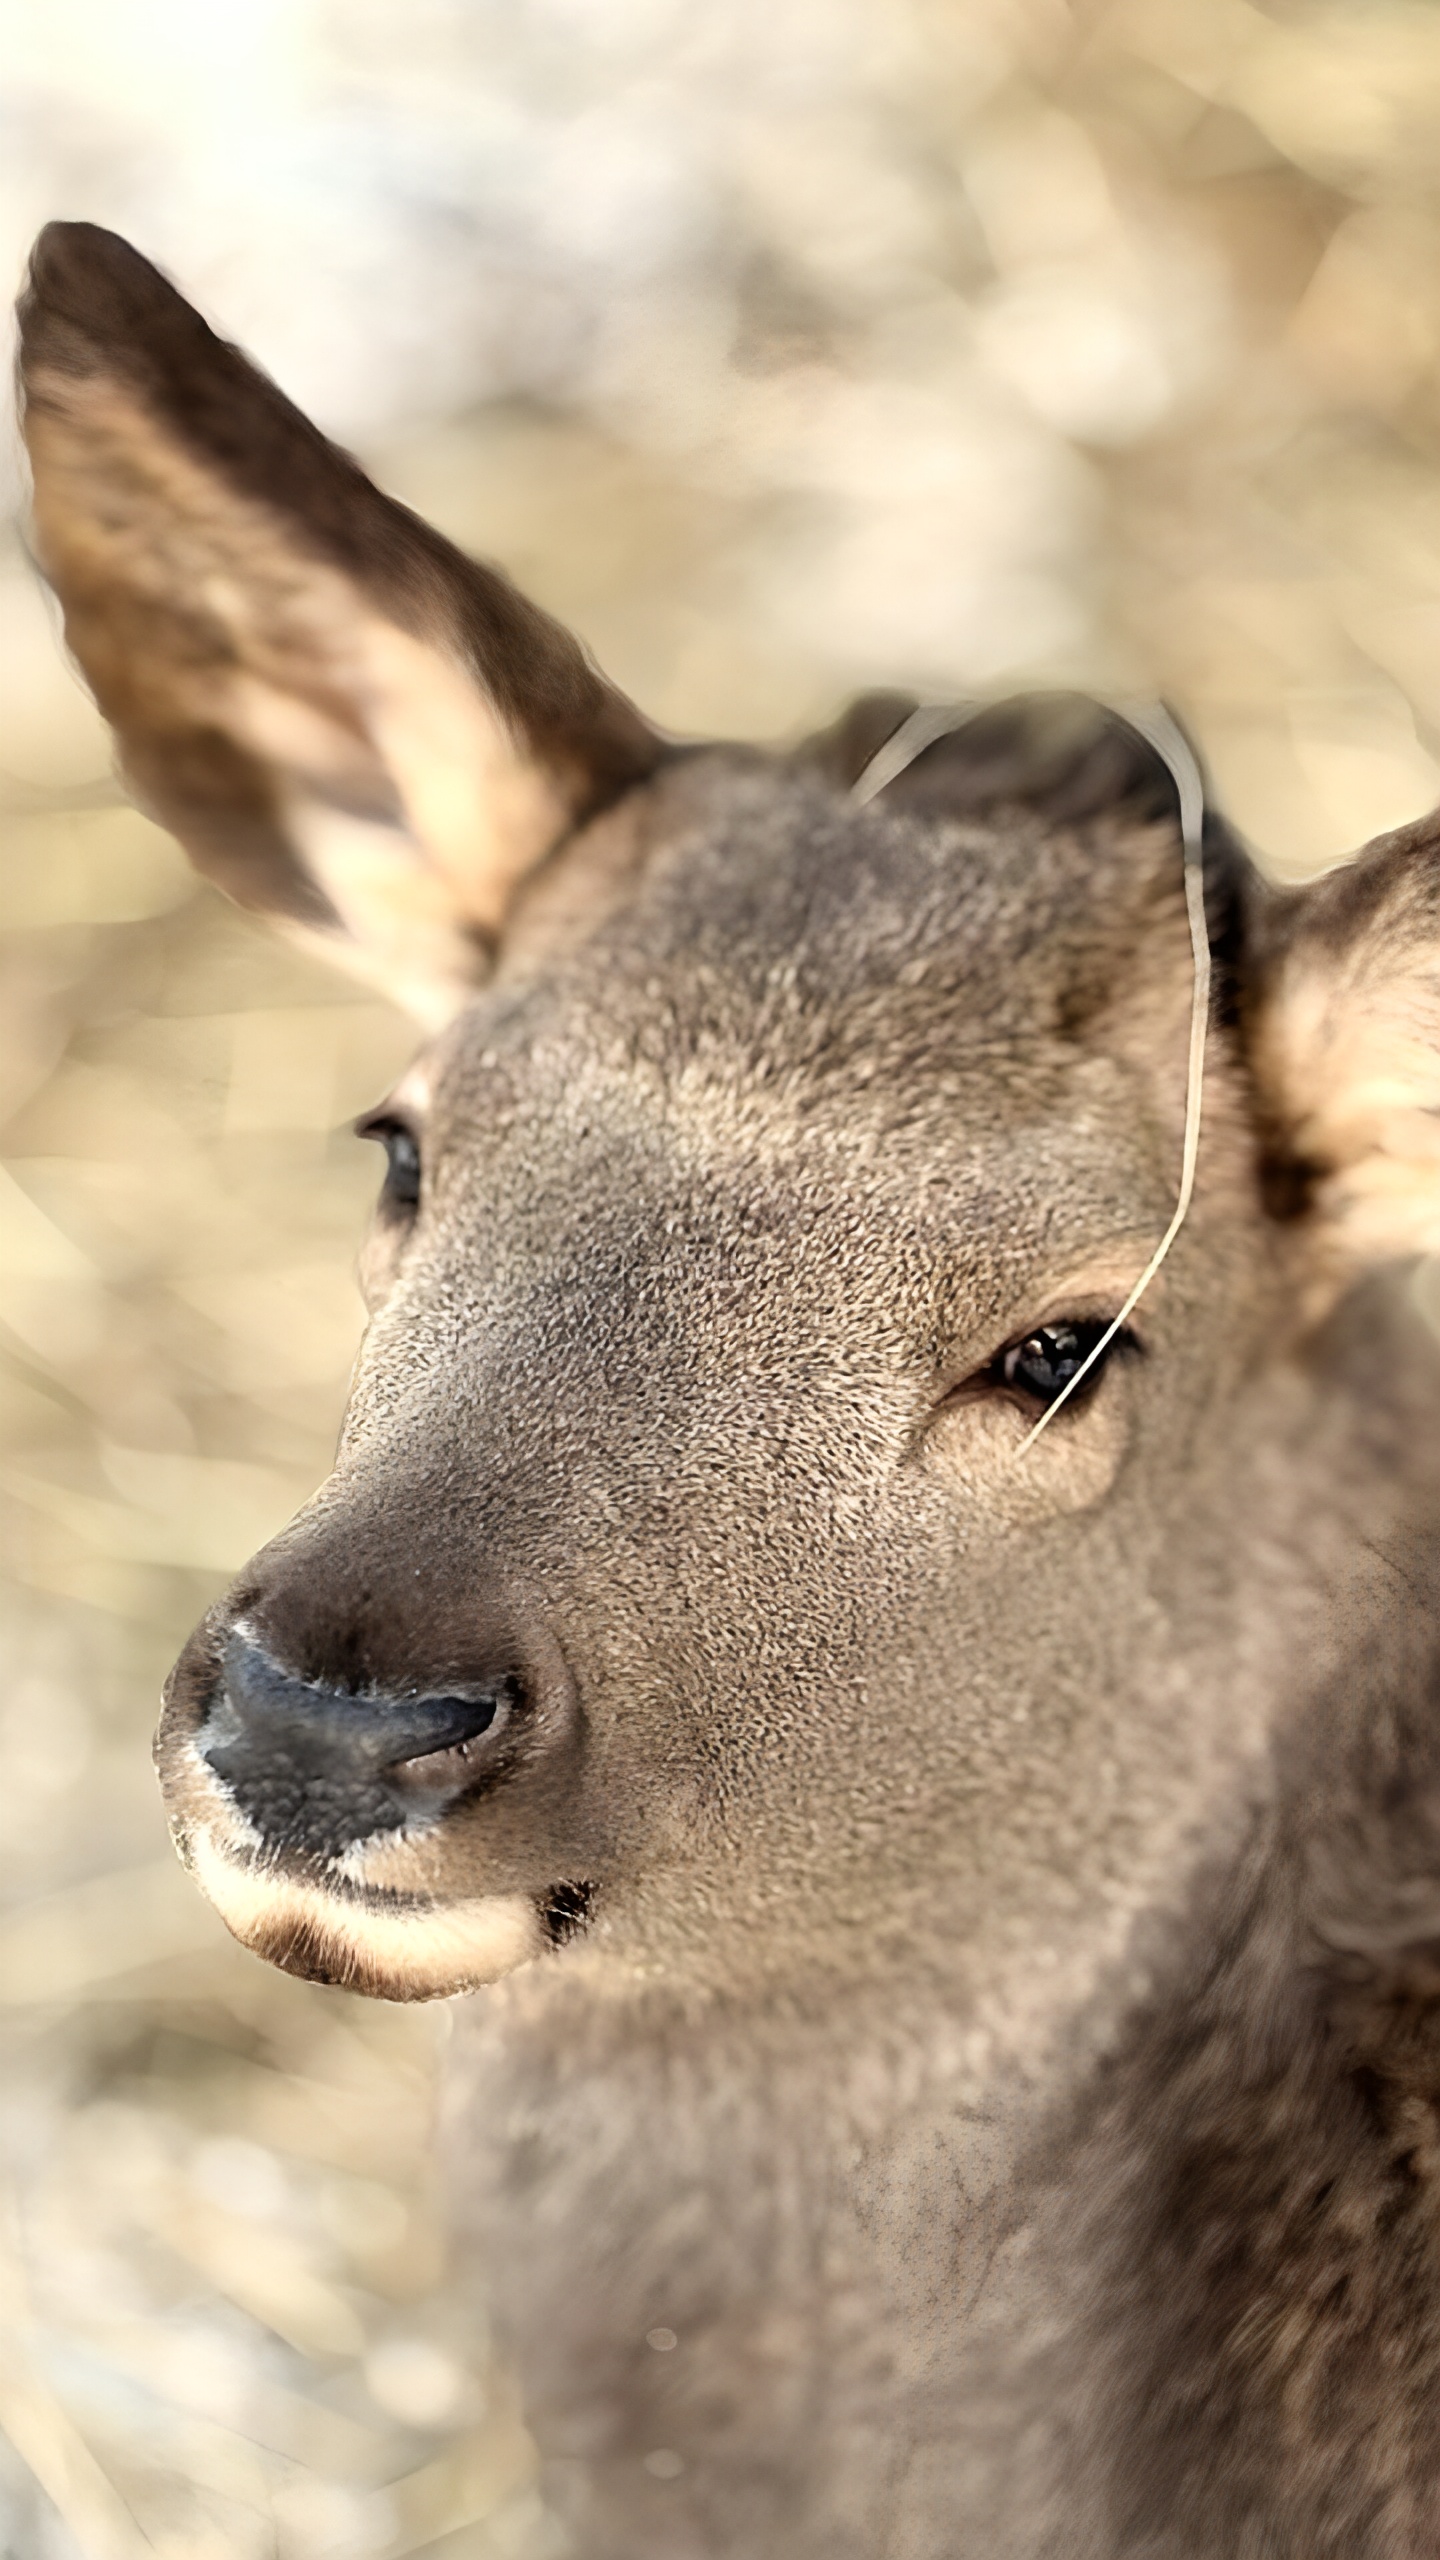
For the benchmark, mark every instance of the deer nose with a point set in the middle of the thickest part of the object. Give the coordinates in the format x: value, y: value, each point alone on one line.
x: 317, y: 1769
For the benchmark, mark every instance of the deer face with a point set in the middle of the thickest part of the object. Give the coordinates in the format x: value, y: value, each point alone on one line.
x: 680, y: 1559
x: 682, y: 1579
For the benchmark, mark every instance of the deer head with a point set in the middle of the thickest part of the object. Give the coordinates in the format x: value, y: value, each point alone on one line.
x: 681, y: 1585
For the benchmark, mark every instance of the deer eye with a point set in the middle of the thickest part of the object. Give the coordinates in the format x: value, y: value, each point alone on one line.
x: 402, y: 1151
x: 1043, y: 1365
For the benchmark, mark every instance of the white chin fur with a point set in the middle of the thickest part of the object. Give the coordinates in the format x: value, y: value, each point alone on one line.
x: 392, y: 1951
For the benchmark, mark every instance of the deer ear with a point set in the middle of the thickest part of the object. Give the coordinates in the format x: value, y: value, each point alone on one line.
x: 347, y: 723
x: 1346, y: 1047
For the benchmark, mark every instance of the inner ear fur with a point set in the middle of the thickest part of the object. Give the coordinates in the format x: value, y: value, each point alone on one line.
x: 347, y: 722
x: 1345, y: 1041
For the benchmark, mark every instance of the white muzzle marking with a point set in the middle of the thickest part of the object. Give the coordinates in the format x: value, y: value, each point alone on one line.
x: 392, y: 1950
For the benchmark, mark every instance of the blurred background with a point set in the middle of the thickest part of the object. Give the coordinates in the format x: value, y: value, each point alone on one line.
x: 783, y: 346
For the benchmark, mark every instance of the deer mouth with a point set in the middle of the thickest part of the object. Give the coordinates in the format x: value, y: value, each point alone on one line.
x: 375, y: 1919
x: 358, y: 1937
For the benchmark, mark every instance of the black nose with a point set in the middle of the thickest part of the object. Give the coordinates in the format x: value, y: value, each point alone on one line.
x: 315, y: 1769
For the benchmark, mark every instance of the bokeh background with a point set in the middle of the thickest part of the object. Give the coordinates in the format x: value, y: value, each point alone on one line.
x: 783, y: 346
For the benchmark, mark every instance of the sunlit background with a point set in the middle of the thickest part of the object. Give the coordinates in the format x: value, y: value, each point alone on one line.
x: 784, y: 346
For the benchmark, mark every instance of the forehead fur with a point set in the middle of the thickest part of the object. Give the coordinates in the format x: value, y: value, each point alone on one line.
x: 764, y: 913
x: 795, y: 1036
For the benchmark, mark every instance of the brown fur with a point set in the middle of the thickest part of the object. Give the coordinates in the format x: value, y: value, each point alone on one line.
x: 970, y: 1923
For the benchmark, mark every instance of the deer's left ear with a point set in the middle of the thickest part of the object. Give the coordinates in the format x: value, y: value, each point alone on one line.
x: 1345, y: 1012
x: 345, y: 721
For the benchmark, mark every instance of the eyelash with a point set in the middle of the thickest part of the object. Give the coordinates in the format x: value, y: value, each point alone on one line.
x: 402, y: 1151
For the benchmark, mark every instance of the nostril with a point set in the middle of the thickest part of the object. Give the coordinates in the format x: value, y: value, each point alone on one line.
x: 315, y: 1768
x: 403, y: 1732
x: 448, y: 1724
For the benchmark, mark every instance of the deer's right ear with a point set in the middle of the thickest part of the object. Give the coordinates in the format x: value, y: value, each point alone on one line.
x: 346, y: 722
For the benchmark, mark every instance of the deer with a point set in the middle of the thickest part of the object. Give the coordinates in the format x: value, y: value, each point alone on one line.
x: 916, y: 1758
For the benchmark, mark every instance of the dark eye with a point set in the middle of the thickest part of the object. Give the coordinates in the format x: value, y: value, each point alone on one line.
x: 402, y: 1150
x: 1043, y: 1365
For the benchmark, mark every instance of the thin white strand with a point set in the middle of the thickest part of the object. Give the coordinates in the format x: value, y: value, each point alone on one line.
x: 917, y: 731
x: 932, y: 721
x: 1168, y: 741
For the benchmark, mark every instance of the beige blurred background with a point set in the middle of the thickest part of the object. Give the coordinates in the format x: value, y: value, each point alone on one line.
x: 784, y: 346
